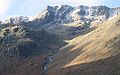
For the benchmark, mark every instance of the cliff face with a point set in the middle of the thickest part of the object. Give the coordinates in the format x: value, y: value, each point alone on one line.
x: 68, y: 13
x: 20, y: 41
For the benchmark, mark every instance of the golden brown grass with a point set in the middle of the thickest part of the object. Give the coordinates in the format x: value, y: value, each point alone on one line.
x: 87, y: 51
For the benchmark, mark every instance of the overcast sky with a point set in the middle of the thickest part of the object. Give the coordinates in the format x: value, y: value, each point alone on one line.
x: 33, y: 7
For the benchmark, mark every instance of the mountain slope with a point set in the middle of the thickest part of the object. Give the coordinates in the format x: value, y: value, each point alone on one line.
x: 96, y: 53
x: 27, y: 44
x: 67, y: 21
x: 23, y: 49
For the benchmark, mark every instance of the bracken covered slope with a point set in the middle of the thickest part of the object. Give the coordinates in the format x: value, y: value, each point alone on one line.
x: 96, y: 53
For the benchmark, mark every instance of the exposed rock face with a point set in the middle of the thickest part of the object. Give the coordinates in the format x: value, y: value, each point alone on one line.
x: 17, y: 19
x: 14, y: 42
x: 46, y: 16
x: 19, y: 41
x: 24, y: 47
x: 66, y: 13
x: 69, y: 13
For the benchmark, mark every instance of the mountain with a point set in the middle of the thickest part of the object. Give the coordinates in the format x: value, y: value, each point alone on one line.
x: 67, y: 21
x: 17, y: 19
x: 95, y: 53
x: 62, y: 40
x: 68, y: 13
x: 21, y: 45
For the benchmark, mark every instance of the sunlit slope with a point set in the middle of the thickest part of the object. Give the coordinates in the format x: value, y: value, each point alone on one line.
x: 93, y: 49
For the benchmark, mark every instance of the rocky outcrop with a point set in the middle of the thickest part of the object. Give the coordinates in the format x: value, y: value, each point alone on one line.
x: 23, y: 48
x: 19, y: 41
x: 17, y: 19
x: 66, y: 13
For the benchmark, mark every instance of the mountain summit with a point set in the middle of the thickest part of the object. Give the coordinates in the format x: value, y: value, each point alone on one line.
x: 66, y: 13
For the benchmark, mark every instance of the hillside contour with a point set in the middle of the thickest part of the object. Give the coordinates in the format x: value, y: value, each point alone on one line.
x: 96, y: 53
x: 62, y: 40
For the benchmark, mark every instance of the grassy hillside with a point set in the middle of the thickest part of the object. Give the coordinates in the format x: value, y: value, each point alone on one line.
x: 95, y: 53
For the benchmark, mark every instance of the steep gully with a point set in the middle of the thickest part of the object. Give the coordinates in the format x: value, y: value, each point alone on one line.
x: 46, y: 63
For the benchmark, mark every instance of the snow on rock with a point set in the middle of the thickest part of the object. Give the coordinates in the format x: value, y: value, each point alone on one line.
x: 18, y: 19
x: 66, y: 13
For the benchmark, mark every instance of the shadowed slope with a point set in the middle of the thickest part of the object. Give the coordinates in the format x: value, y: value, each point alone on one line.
x: 99, y: 44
